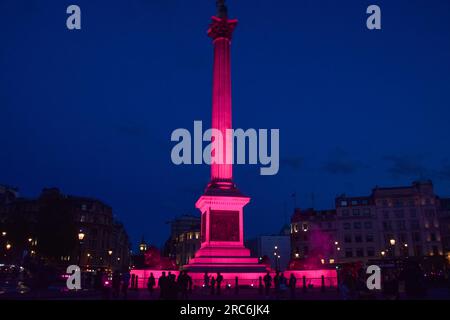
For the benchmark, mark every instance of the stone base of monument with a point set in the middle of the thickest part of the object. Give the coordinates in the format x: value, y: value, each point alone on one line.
x: 222, y: 234
x: 224, y: 259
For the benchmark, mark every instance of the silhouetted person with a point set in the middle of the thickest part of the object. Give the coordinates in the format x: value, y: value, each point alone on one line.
x: 414, y: 281
x: 276, y: 281
x: 189, y: 279
x: 116, y: 284
x: 206, y: 280
x: 390, y: 287
x: 125, y: 283
x: 106, y: 286
x: 183, y: 283
x: 151, y: 283
x: 267, y: 283
x: 162, y: 284
x: 292, y: 285
x: 219, y: 280
x: 98, y: 280
x: 213, y: 283
x: 172, y: 288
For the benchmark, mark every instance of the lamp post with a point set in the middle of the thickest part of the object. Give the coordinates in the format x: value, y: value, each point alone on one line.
x: 110, y: 252
x: 277, y: 257
x: 81, y: 236
x: 336, y: 253
x: 8, y: 248
x: 392, y: 243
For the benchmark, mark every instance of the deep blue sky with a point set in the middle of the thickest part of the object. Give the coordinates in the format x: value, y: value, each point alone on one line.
x: 91, y: 111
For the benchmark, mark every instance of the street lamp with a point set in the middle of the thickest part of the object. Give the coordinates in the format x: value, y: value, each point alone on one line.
x: 4, y: 233
x: 8, y: 246
x: 81, y: 236
x: 277, y: 257
x: 392, y: 242
x: 383, y: 253
x: 110, y: 252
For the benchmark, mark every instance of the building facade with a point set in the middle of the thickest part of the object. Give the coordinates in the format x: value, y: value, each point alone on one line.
x: 100, y: 240
x: 276, y: 248
x: 444, y: 224
x: 357, y: 229
x: 184, y: 240
x: 313, y: 236
x: 8, y: 194
x: 393, y: 223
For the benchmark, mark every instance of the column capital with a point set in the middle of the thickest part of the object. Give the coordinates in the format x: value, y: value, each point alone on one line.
x: 222, y: 28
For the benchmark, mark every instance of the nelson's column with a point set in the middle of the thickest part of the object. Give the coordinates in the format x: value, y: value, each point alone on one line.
x: 222, y: 230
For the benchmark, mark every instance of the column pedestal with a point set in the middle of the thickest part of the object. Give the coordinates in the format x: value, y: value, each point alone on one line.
x: 222, y: 235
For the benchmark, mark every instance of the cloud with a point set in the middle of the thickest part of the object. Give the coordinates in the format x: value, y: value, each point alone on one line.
x: 443, y: 173
x: 406, y: 166
x: 339, y: 163
x: 132, y: 130
x: 294, y: 162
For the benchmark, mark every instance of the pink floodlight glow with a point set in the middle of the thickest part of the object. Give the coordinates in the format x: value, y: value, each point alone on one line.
x: 312, y: 277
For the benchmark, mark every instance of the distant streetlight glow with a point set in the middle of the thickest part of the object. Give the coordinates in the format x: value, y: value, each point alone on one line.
x: 392, y: 242
x: 81, y: 235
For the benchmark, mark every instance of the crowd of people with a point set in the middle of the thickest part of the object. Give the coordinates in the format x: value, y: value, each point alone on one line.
x: 281, y: 284
x: 352, y: 284
x: 409, y: 279
x: 115, y: 286
x: 170, y: 286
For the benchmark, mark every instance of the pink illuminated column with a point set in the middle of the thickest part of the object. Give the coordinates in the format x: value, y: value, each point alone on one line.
x: 221, y: 30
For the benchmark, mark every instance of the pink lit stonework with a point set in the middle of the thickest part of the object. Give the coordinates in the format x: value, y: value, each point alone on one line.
x: 221, y: 206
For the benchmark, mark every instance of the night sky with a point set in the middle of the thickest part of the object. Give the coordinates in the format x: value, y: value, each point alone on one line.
x: 92, y: 111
